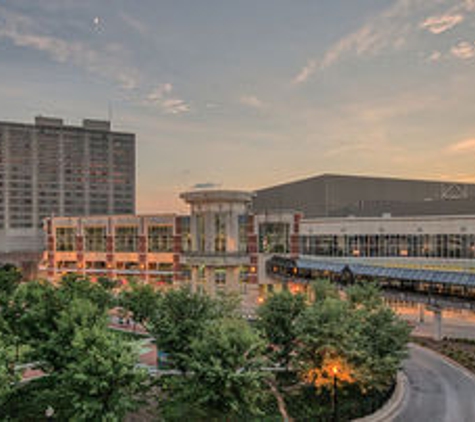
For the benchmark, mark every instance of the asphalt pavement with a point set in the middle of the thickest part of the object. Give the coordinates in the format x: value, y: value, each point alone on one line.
x: 438, y: 391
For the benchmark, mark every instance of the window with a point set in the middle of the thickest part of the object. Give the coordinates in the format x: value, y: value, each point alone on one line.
x: 185, y: 234
x: 274, y: 238
x: 220, y: 232
x: 65, y: 239
x: 160, y: 239
x: 126, y: 239
x: 95, y: 239
x: 200, y: 233
x: 220, y: 276
x: 242, y: 228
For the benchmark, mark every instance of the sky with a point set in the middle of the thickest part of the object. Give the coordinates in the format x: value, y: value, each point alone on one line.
x: 245, y: 94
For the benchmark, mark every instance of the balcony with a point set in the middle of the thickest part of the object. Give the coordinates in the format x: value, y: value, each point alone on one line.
x: 221, y: 259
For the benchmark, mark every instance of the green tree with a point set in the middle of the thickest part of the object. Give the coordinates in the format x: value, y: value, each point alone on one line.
x: 179, y: 318
x: 10, y: 278
x: 141, y: 300
x: 367, y: 295
x: 73, y: 286
x: 100, y: 377
x: 7, y: 374
x: 381, y: 339
x: 225, y: 377
x: 364, y: 335
x: 57, y: 350
x: 276, y: 319
x: 323, y: 289
x: 29, y: 314
x: 324, y: 328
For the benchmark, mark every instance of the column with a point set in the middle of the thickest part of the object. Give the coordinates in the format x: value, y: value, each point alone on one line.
x: 210, y: 284
x: 421, y: 312
x: 437, y: 324
x: 177, y: 250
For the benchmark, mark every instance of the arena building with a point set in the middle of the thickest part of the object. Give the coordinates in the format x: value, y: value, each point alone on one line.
x: 224, y: 245
x: 331, y: 195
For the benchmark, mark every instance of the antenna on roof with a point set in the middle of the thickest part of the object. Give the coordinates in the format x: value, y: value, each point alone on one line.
x: 109, y: 112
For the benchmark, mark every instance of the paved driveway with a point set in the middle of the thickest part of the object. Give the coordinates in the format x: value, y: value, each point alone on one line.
x: 438, y: 391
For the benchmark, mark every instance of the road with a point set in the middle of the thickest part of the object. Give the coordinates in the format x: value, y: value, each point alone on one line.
x: 438, y: 391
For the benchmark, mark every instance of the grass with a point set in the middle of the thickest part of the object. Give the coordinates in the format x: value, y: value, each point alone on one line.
x: 460, y: 350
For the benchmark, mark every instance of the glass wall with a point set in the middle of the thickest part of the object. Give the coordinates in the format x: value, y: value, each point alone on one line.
x: 242, y: 229
x: 200, y: 233
x: 185, y: 234
x: 220, y: 232
x: 274, y: 237
x: 394, y: 245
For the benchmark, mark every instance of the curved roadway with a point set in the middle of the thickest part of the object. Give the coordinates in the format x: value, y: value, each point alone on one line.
x: 437, y: 391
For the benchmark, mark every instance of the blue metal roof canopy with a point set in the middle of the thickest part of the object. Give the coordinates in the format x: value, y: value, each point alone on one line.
x: 432, y: 276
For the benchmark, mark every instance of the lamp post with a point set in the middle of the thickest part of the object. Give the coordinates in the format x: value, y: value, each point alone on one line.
x: 49, y: 413
x: 335, y: 394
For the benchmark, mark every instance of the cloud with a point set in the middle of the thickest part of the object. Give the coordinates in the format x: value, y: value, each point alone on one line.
x: 463, y: 50
x: 435, y: 56
x: 175, y: 106
x: 469, y: 5
x: 159, y: 92
x: 440, y: 24
x: 252, y: 101
x: 135, y: 24
x: 308, y: 70
x: 467, y: 145
x: 160, y: 96
x: 387, y: 30
x: 25, y: 32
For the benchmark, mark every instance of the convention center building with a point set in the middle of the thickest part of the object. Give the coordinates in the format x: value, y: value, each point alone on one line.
x: 227, y: 238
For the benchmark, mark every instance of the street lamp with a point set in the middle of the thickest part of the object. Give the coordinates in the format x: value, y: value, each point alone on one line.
x: 49, y: 413
x: 335, y: 394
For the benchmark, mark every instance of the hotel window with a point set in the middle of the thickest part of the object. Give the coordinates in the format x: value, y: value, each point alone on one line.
x: 126, y: 239
x: 160, y: 239
x: 65, y: 239
x: 95, y: 239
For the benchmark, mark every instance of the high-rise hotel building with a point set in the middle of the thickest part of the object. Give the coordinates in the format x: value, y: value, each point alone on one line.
x: 49, y: 168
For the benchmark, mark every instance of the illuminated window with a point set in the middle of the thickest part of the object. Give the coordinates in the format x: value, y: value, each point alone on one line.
x: 95, y: 239
x: 126, y: 239
x: 65, y: 239
x: 160, y: 239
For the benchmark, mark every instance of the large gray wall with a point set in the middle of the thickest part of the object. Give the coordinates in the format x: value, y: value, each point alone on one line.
x: 338, y: 195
